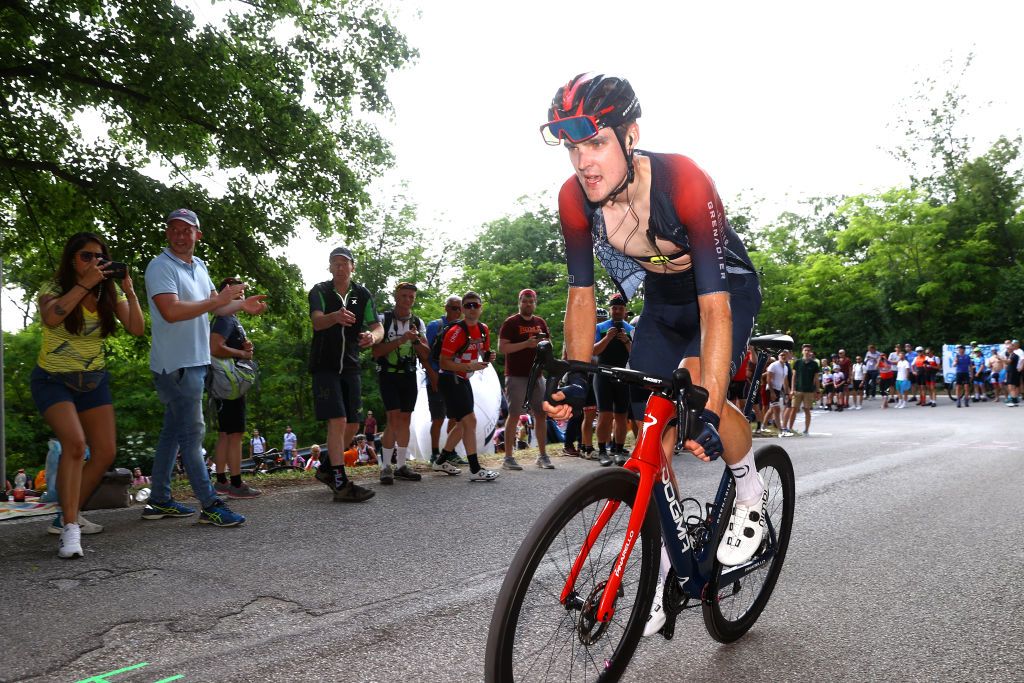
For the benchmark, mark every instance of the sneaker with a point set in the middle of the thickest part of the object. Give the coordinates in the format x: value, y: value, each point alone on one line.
x: 656, y: 618
x: 353, y: 493
x: 485, y: 475
x: 604, y: 459
x: 84, y: 525
x: 243, y: 491
x: 785, y: 433
x: 510, y: 463
x: 387, y: 476
x: 620, y: 459
x: 171, y: 508
x: 570, y: 450
x: 219, y: 514
x: 442, y: 464
x: 743, y: 536
x: 544, y: 462
x: 326, y: 477
x: 70, y: 544
x: 407, y: 473
x: 806, y: 433
x: 221, y: 488
x: 588, y: 454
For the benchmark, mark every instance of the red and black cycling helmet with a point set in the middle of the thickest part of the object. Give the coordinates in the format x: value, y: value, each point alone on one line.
x: 589, y: 102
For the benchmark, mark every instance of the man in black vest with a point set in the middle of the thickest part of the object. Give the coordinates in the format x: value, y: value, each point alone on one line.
x: 344, y: 322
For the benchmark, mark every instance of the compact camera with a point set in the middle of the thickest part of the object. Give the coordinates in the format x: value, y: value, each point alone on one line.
x: 115, y: 269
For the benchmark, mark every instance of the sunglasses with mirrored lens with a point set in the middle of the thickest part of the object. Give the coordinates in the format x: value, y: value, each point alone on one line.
x: 574, y: 129
x: 88, y: 256
x: 471, y: 304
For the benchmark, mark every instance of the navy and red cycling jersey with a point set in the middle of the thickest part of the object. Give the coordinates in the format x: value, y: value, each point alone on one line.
x: 685, y: 210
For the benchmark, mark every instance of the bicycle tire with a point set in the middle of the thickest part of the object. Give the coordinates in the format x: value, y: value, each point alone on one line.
x: 532, y: 636
x: 730, y: 611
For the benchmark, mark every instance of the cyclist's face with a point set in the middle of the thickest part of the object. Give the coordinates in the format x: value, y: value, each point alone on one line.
x: 599, y: 164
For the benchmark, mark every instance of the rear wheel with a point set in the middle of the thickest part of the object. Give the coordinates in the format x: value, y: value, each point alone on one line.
x: 735, y: 596
x: 533, y: 636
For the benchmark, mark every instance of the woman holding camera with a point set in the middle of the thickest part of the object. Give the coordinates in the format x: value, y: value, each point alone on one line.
x: 79, y: 308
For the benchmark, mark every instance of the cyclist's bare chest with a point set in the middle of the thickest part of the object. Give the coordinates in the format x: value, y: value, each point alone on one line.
x: 627, y: 230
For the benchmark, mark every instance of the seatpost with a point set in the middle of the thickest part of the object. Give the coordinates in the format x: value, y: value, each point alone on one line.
x: 755, y: 385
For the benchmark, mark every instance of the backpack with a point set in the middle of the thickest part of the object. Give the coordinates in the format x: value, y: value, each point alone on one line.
x: 382, y: 362
x: 435, y: 348
x: 229, y: 378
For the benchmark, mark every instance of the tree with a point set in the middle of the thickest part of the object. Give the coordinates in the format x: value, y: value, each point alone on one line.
x: 259, y: 134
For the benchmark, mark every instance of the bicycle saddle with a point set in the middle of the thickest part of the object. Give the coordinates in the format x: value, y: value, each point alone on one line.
x: 772, y: 341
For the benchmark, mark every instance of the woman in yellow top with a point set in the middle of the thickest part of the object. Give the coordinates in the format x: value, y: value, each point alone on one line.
x: 70, y: 386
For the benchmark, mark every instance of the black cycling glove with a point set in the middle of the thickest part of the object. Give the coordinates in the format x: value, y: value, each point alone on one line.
x: 575, y: 391
x: 708, y: 436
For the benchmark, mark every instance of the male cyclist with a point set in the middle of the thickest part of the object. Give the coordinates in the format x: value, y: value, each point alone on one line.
x: 657, y: 220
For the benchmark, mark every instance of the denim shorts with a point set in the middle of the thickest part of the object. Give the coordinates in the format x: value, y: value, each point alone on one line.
x: 48, y: 389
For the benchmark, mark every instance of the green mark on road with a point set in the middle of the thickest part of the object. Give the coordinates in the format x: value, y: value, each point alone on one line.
x: 103, y: 678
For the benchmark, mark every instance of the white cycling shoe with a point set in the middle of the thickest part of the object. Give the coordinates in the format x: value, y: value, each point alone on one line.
x: 656, y: 619
x: 745, y: 532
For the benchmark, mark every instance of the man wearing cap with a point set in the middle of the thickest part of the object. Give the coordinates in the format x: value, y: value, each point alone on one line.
x: 613, y: 342
x: 964, y: 369
x: 344, y: 322
x: 181, y: 294
x: 518, y: 339
x: 435, y: 400
x: 396, y: 356
x: 1014, y: 369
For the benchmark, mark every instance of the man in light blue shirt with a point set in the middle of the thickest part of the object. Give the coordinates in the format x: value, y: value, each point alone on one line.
x: 181, y: 294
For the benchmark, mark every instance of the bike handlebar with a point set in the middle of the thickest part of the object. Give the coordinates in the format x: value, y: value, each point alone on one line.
x: 690, y: 398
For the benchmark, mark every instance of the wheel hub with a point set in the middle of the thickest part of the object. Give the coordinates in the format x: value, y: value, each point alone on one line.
x: 591, y: 630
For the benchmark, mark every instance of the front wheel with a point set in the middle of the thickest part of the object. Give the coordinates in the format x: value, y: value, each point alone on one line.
x: 735, y: 596
x: 535, y: 637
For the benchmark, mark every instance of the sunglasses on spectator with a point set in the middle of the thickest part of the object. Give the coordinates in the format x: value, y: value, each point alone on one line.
x: 88, y: 256
x: 471, y: 304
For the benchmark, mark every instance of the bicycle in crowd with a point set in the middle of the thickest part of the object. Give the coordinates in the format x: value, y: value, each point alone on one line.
x: 578, y: 592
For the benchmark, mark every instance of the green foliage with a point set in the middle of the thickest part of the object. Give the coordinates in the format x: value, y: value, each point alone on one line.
x: 263, y: 108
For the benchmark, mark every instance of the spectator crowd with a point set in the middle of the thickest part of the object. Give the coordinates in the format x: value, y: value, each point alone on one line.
x: 192, y: 355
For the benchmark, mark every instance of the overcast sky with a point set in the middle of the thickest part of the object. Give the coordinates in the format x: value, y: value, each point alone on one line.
x: 775, y: 100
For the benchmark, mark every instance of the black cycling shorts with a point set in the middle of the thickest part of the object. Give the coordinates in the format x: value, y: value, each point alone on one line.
x: 398, y: 390
x: 963, y: 378
x: 458, y: 396
x: 337, y: 395
x: 669, y: 327
x: 435, y: 402
x: 612, y: 396
x: 738, y: 390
